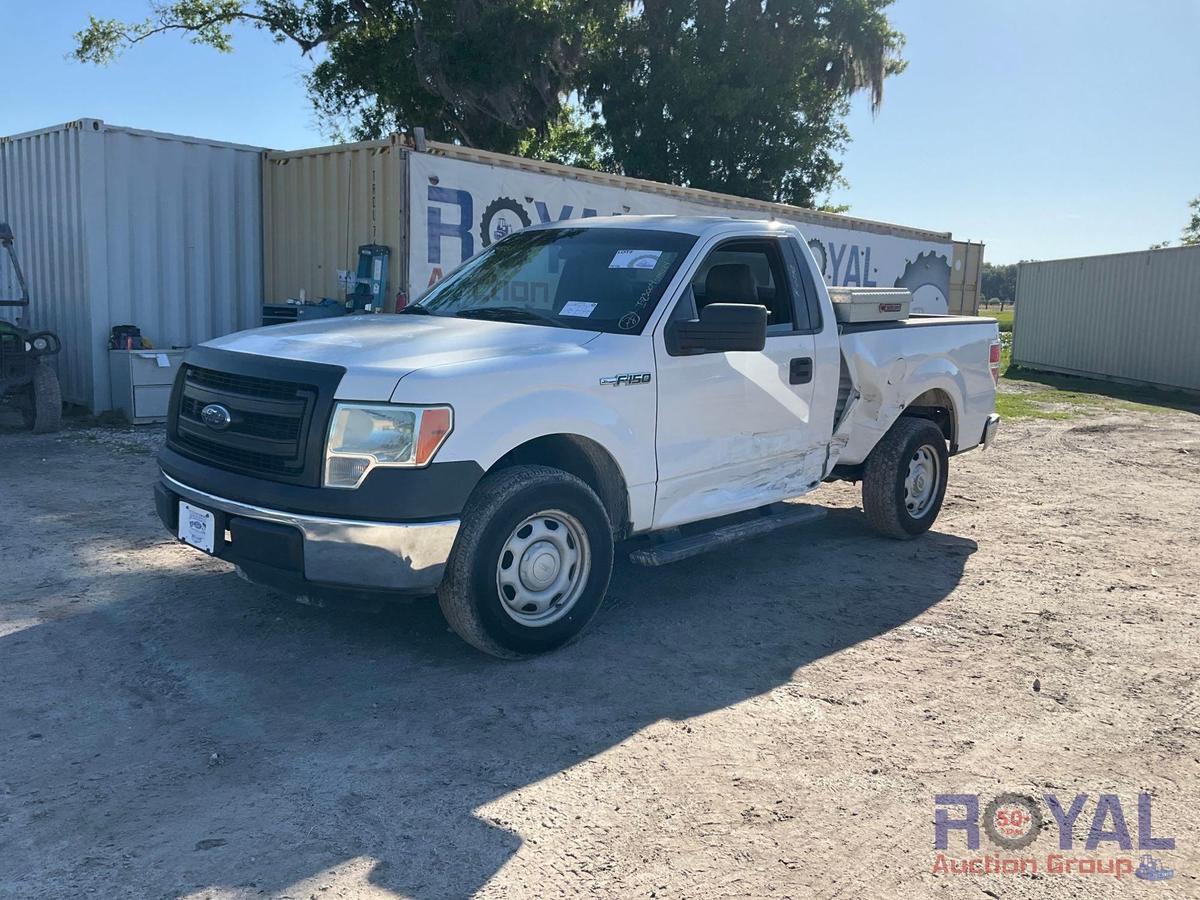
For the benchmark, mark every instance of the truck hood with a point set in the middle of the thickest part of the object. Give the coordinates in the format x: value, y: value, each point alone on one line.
x: 378, y: 350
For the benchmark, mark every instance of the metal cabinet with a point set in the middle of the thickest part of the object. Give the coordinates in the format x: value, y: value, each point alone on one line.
x: 141, y: 382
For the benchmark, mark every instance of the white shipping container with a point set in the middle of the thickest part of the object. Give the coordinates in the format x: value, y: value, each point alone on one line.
x: 119, y: 226
x: 460, y: 200
x: 437, y: 208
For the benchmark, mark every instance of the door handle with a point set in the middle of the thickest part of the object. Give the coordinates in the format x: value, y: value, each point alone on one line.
x: 801, y: 370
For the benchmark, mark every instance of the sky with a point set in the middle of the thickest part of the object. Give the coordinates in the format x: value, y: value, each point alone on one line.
x: 1044, y: 128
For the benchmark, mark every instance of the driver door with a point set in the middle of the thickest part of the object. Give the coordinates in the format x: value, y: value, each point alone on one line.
x: 735, y: 429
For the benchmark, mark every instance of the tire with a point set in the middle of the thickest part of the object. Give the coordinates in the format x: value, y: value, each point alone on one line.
x: 896, y: 507
x: 571, y: 561
x: 43, y: 407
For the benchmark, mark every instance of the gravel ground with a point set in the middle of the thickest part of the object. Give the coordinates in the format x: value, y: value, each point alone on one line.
x: 772, y: 720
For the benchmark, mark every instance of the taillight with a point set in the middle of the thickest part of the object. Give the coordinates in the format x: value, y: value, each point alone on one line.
x: 994, y: 362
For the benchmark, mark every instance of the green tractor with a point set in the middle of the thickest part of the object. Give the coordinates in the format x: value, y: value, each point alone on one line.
x: 26, y: 377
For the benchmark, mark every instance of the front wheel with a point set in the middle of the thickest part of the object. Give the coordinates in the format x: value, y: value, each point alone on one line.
x: 531, y: 564
x: 904, y: 480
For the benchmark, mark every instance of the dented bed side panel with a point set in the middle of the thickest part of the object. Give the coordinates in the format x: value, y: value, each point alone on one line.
x: 891, y: 367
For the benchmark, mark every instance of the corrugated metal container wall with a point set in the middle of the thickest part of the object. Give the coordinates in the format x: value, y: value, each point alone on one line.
x: 8, y: 283
x: 42, y: 202
x: 320, y: 205
x: 116, y: 225
x: 1128, y: 317
x: 184, y: 229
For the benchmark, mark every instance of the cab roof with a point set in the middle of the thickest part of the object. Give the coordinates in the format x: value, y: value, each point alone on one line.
x: 695, y: 225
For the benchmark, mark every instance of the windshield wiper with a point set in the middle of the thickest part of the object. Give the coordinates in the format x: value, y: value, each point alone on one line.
x: 505, y: 314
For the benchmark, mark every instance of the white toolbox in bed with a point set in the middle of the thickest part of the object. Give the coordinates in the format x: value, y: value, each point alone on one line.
x: 870, y: 304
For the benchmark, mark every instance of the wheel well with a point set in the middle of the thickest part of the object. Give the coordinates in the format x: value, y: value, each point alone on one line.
x: 586, y: 460
x: 936, y: 405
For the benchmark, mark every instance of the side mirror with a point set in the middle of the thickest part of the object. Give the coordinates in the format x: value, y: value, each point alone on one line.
x: 721, y: 327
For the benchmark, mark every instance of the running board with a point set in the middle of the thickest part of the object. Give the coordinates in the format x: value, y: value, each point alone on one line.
x: 673, y: 551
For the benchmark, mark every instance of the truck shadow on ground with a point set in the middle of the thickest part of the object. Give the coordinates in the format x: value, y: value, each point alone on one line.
x: 200, y: 733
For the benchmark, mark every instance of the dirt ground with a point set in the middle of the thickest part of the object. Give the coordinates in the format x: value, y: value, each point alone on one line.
x: 772, y: 720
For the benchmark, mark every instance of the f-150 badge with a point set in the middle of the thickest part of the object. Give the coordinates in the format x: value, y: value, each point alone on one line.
x: 618, y: 380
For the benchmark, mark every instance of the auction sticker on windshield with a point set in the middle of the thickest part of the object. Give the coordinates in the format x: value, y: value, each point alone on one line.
x: 577, y: 308
x: 635, y: 259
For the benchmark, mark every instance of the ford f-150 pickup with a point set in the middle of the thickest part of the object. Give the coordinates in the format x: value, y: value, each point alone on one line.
x: 656, y: 381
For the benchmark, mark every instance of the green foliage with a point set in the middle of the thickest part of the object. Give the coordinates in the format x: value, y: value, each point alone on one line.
x: 570, y: 140
x: 1000, y: 282
x: 1191, y: 231
x: 1004, y: 318
x: 203, y: 21
x: 739, y: 96
x: 485, y: 73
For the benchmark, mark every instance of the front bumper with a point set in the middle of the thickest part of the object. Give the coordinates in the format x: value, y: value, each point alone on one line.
x: 313, y: 555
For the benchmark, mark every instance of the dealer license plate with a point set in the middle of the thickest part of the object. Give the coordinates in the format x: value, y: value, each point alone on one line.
x: 197, y: 526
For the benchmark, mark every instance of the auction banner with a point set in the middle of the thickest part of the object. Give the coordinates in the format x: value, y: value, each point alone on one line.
x: 459, y: 207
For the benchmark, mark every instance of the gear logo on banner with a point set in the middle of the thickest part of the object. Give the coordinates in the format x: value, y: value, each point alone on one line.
x: 927, y: 278
x: 502, y: 217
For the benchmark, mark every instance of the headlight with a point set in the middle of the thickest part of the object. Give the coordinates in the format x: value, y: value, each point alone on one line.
x: 362, y: 437
x: 41, y: 343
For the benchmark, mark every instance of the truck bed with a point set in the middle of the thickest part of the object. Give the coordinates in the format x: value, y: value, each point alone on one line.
x: 942, y: 360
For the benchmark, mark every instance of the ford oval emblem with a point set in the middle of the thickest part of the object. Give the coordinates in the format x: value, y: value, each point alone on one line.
x: 216, y: 417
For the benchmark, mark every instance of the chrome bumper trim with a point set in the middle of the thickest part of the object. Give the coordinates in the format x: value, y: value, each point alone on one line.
x: 370, y: 555
x: 990, y: 429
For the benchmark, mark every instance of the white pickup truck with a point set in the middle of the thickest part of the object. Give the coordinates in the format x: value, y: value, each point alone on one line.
x: 575, y: 385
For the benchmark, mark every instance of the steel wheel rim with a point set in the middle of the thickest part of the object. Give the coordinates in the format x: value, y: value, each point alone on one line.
x: 543, y: 568
x: 921, y: 482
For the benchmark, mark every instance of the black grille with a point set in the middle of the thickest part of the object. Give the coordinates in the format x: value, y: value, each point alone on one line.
x: 269, y: 427
x: 265, y: 425
x: 242, y: 459
x: 246, y: 385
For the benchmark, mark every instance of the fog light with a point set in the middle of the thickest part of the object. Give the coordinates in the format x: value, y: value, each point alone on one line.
x: 345, y: 471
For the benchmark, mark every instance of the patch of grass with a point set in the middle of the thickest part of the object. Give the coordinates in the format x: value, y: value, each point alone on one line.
x: 1023, y: 406
x: 1045, y: 395
x: 1004, y: 318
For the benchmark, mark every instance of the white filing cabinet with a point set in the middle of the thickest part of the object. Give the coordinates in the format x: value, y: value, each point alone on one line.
x: 141, y: 382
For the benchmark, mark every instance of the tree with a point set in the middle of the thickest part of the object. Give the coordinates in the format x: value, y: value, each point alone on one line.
x: 482, y: 73
x: 999, y: 282
x: 572, y: 140
x: 740, y: 96
x: 1191, y: 231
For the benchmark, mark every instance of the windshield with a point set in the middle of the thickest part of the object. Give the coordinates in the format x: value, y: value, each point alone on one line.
x: 599, y: 279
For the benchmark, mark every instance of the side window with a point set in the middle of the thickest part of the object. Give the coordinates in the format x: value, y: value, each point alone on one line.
x: 748, y: 271
x: 809, y: 306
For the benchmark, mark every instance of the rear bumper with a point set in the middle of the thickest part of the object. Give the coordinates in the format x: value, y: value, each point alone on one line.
x: 989, y: 430
x: 313, y: 555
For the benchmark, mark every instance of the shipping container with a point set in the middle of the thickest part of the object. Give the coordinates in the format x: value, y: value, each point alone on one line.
x: 186, y: 237
x: 1129, y: 317
x: 120, y: 226
x: 320, y: 206
x: 440, y: 206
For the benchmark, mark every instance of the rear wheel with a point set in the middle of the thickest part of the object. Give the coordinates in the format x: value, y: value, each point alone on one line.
x: 531, y: 564
x: 41, y: 407
x: 904, y: 480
